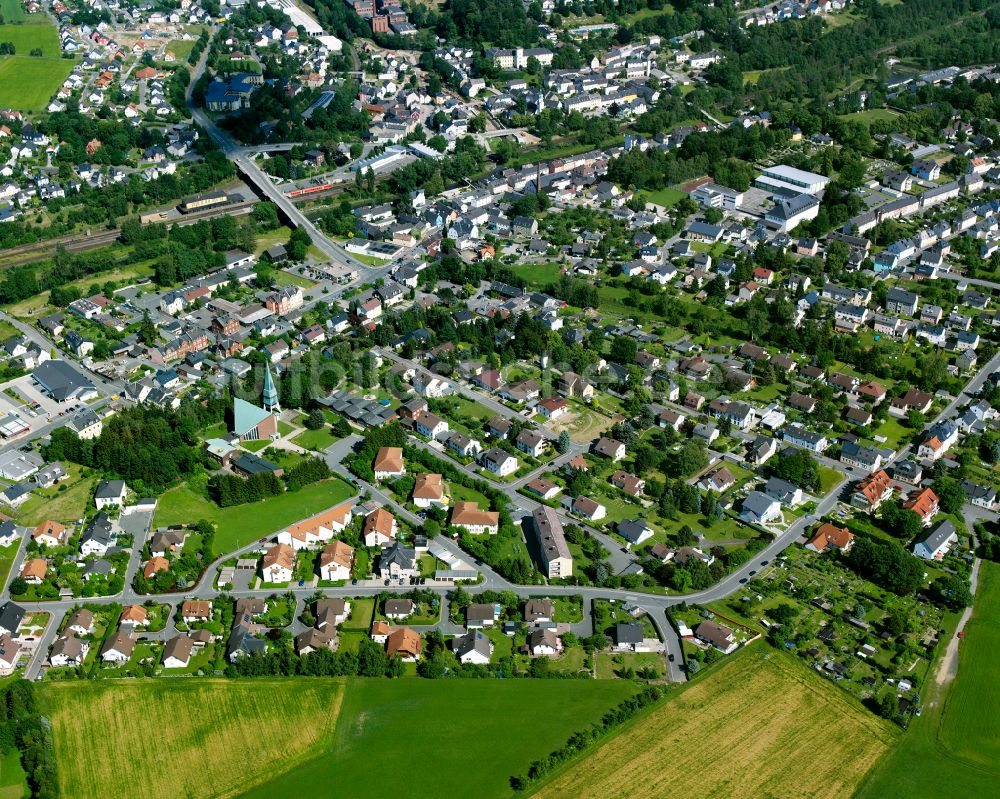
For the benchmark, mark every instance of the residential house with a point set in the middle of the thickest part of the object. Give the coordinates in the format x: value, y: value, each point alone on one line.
x: 935, y: 544
x: 379, y: 528
x: 278, y: 563
x: 759, y: 508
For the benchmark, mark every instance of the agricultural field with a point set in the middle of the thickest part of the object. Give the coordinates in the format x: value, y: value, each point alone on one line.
x: 26, y: 83
x: 724, y: 735
x: 241, y: 524
x: 953, y: 749
x: 412, y: 724
x: 212, y: 738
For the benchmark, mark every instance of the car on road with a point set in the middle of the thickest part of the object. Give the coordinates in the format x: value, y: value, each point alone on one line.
x: 670, y: 658
x: 753, y: 572
x: 764, y: 562
x: 742, y: 580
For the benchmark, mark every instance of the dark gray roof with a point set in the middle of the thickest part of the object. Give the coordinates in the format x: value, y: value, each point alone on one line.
x: 10, y: 617
x: 628, y: 632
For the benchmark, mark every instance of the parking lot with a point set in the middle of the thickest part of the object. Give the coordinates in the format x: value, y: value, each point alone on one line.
x: 31, y: 406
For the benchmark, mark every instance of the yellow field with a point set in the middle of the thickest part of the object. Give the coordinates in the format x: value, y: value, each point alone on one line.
x: 761, y: 726
x: 189, y: 738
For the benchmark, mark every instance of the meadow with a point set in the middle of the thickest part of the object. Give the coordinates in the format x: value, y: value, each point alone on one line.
x: 26, y: 83
x: 728, y: 734
x: 423, y: 738
x: 239, y: 525
x: 953, y: 749
x: 193, y: 738
x: 311, y: 737
x: 13, y: 11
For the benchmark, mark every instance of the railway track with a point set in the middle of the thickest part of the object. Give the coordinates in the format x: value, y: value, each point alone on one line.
x: 40, y: 250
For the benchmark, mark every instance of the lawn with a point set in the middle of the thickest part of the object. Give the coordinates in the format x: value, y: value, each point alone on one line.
x: 871, y: 115
x: 62, y: 506
x: 282, y: 278
x: 538, y: 275
x: 27, y: 84
x: 480, y: 726
x: 953, y: 748
x: 315, y: 439
x: 7, y: 555
x: 241, y: 524
x: 461, y: 493
x: 608, y: 665
x: 828, y: 478
x: 667, y: 197
x: 725, y: 735
x: 218, y: 736
x: 13, y: 11
x: 13, y: 784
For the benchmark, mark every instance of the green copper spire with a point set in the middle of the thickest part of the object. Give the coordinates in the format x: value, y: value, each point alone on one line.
x: 270, y: 397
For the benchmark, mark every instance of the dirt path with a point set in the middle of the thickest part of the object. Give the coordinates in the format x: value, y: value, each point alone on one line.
x: 948, y: 667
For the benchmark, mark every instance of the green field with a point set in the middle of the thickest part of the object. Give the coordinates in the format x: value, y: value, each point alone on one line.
x: 13, y: 783
x: 953, y: 749
x: 828, y: 478
x: 211, y: 738
x: 538, y: 275
x: 28, y: 84
x: 871, y: 115
x: 667, y: 197
x: 7, y: 555
x: 315, y: 439
x: 762, y: 725
x: 13, y: 11
x: 241, y: 524
x: 418, y: 738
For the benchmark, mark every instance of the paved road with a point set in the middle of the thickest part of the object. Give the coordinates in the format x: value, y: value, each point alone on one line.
x: 971, y: 389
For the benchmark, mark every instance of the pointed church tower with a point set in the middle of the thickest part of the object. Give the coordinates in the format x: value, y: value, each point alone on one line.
x: 269, y: 399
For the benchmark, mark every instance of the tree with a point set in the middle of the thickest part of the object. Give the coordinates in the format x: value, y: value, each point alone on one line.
x: 315, y: 420
x: 949, y: 590
x: 18, y: 586
x: 950, y: 494
x: 624, y: 350
x: 147, y: 330
x: 564, y: 443
x: 915, y: 420
x: 886, y: 564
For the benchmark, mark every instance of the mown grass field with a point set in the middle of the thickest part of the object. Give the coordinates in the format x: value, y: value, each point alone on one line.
x: 761, y: 726
x: 13, y: 780
x: 242, y: 524
x: 13, y: 11
x: 190, y: 738
x: 538, y: 275
x: 62, y: 506
x: 420, y: 738
x: 953, y: 749
x: 27, y: 84
x: 667, y: 197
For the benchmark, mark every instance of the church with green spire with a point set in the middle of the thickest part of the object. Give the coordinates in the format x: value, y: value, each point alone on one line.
x: 270, y: 395
x: 255, y: 423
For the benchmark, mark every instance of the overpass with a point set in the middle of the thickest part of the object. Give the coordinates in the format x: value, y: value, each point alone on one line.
x: 256, y: 177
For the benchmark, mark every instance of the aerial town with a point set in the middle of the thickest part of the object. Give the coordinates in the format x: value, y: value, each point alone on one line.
x: 376, y: 372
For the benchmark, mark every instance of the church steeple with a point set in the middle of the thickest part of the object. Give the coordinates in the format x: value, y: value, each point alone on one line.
x: 269, y: 399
